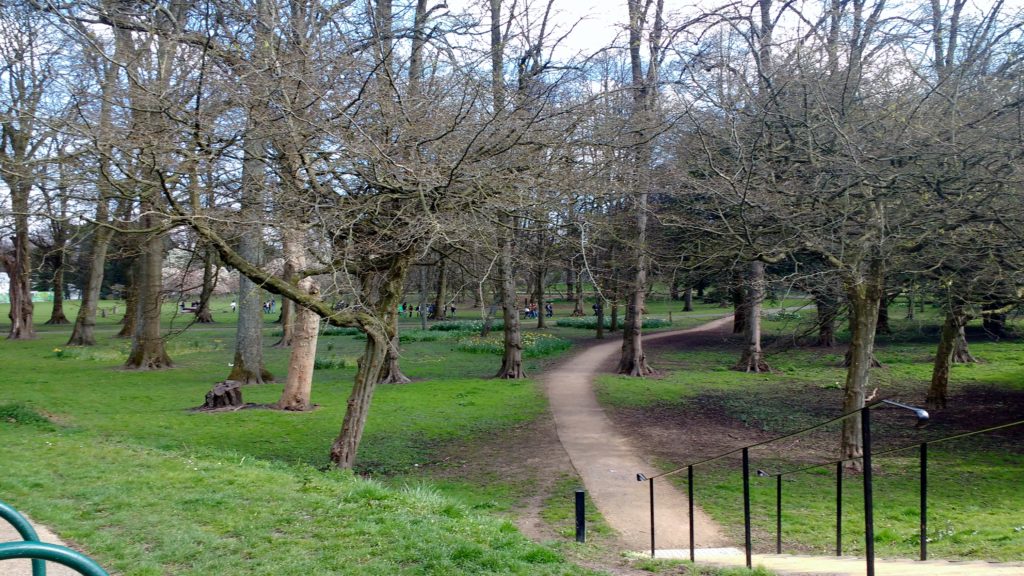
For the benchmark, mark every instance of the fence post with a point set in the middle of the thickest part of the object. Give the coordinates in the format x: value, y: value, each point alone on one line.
x: 924, y: 501
x: 778, y: 514
x: 839, y: 508
x: 746, y: 505
x: 689, y: 489
x: 650, y: 482
x: 581, y: 517
x: 869, y: 504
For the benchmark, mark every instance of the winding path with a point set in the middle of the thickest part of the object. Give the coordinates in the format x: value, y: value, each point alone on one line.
x: 608, y: 463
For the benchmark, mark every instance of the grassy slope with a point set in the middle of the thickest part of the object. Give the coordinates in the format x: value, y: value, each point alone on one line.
x: 150, y: 488
x: 974, y: 498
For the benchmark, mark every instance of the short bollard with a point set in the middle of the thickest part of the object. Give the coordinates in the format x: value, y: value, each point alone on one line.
x: 581, y: 517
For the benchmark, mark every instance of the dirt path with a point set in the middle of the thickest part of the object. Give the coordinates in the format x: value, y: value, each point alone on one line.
x: 607, y: 461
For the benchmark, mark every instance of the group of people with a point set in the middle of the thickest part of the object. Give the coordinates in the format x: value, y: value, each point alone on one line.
x: 406, y: 310
x: 269, y: 305
x: 531, y: 311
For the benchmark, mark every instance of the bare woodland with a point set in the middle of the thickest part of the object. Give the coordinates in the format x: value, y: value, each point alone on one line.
x: 378, y: 152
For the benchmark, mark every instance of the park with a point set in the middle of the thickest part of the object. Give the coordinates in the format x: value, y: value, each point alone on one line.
x: 511, y: 287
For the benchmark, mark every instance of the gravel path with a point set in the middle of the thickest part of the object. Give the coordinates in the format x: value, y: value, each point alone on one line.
x: 608, y: 463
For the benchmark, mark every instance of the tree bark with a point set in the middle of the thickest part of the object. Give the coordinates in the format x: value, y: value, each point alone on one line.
x: 633, y: 360
x: 939, y: 388
x: 131, y: 300
x: 298, y: 385
x: 577, y: 308
x: 883, y: 317
x: 371, y: 364
x: 865, y: 293
x: 512, y: 357
x: 392, y: 373
x: 688, y: 299
x: 752, y: 359
x: 961, y: 350
x: 827, y: 312
x: 203, y: 313
x: 18, y: 264
x: 538, y: 295
x: 84, y: 332
x: 739, y: 309
x: 441, y: 296
x: 148, y: 352
x: 248, y: 365
x: 58, y: 258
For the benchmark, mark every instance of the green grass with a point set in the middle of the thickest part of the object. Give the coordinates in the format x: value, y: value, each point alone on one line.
x: 114, y: 460
x: 560, y: 511
x: 535, y: 344
x: 144, y: 511
x: 974, y: 484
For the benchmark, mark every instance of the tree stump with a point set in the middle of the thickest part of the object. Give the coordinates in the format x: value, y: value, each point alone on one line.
x: 226, y: 394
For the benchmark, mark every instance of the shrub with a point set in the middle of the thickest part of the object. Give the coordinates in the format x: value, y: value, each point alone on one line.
x: 590, y: 323
x: 535, y: 344
x: 465, y: 325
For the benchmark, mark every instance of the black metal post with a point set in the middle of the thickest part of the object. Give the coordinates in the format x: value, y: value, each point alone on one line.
x: 650, y: 482
x: 924, y: 501
x: 581, y: 517
x: 869, y: 504
x: 746, y: 505
x: 689, y: 490
x: 778, y: 514
x: 839, y: 508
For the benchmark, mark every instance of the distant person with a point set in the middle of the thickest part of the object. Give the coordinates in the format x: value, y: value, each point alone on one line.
x: 549, y: 310
x: 234, y: 305
x: 453, y: 310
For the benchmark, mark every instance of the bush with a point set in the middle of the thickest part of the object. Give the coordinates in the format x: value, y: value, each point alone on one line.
x: 535, y: 344
x: 331, y: 363
x: 590, y: 323
x: 783, y: 315
x: 465, y: 325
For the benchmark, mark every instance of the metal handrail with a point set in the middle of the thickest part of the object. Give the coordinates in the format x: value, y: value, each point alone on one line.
x: 26, y: 531
x: 53, y: 553
x: 893, y: 450
x: 865, y: 458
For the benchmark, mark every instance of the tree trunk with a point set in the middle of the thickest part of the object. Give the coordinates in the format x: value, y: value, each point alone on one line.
x: 688, y: 299
x: 994, y: 324
x: 84, y: 332
x: 57, y: 315
x: 294, y: 260
x: 633, y: 360
x: 392, y: 373
x: 939, y: 387
x: 883, y: 317
x: 203, y: 313
x: 441, y: 299
x: 752, y: 359
x: 827, y: 311
x: 865, y: 293
x: 570, y: 282
x: 512, y: 357
x: 577, y: 309
x: 18, y: 265
x: 131, y: 300
x: 739, y: 309
x: 226, y: 394
x: 961, y: 351
x: 538, y: 295
x: 371, y: 364
x: 148, y: 351
x: 910, y: 303
x: 248, y: 365
x: 298, y: 385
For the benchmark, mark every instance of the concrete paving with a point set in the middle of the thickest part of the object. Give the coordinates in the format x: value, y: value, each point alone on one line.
x: 791, y: 565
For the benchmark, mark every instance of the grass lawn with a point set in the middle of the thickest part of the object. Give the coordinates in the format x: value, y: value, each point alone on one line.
x: 974, y: 498
x: 119, y: 466
x: 122, y: 468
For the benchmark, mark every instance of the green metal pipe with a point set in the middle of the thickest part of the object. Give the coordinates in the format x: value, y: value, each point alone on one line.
x: 27, y: 532
x: 52, y: 553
